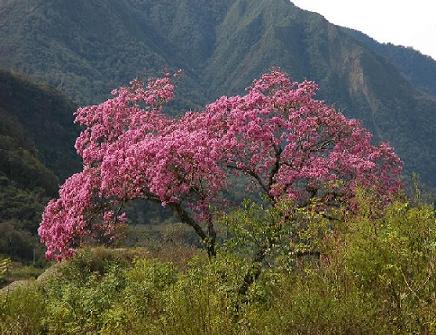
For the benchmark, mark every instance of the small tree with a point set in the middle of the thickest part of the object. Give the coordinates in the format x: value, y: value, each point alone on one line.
x: 290, y: 145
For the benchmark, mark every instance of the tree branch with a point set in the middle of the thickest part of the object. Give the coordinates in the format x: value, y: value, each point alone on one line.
x: 255, y: 176
x: 276, y: 167
x: 207, y: 238
x: 186, y: 218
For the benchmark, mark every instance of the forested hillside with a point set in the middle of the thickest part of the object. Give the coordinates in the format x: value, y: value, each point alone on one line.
x: 419, y: 69
x: 86, y: 48
x: 36, y: 153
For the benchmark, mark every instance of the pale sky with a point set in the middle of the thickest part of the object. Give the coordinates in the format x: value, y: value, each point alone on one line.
x: 401, y: 22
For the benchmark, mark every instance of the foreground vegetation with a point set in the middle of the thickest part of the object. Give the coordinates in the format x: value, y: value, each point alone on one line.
x: 371, y: 272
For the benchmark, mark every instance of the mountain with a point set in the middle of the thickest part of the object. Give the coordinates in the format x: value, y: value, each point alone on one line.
x: 39, y: 120
x: 418, y: 69
x: 87, y: 47
x: 36, y: 153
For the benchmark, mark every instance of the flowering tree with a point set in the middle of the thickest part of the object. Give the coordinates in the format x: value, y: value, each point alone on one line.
x: 290, y: 144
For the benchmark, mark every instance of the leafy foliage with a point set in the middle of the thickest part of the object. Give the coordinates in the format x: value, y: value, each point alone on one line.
x: 374, y: 275
x: 22, y: 311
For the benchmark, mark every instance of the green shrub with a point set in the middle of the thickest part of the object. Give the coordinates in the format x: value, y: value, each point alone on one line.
x: 142, y: 301
x: 22, y: 310
x: 393, y: 258
x: 98, y: 260
x: 374, y: 274
x: 203, y: 300
x: 77, y: 306
x: 103, y: 291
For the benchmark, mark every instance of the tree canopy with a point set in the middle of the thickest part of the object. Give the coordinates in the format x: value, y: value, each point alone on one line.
x: 290, y: 145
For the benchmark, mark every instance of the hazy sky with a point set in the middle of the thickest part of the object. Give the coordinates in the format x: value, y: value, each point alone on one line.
x: 403, y: 22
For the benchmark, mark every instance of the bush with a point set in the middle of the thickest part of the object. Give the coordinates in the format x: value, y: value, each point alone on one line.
x: 374, y: 275
x: 77, y: 307
x: 142, y: 301
x: 98, y: 261
x: 22, y: 310
x: 102, y: 291
x: 393, y: 258
x: 204, y: 299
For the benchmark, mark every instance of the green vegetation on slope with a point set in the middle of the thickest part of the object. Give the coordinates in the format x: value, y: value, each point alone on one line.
x: 36, y: 152
x: 40, y: 120
x: 86, y: 48
x: 419, y: 69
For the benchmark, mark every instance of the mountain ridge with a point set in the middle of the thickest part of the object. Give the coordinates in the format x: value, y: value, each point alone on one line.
x: 87, y: 48
x: 418, y: 68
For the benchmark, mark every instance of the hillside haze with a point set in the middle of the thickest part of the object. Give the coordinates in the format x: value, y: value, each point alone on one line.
x: 86, y: 48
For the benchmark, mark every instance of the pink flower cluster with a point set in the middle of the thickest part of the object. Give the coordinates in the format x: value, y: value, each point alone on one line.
x: 289, y: 143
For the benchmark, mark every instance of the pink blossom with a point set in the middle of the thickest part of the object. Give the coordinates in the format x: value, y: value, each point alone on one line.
x: 289, y: 143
